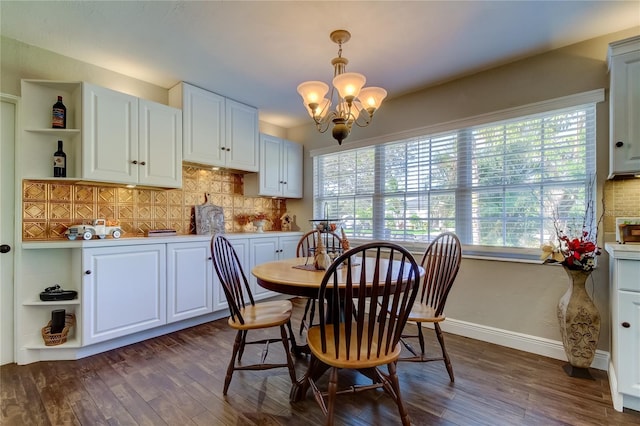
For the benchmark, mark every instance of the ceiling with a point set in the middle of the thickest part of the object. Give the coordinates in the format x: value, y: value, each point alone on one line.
x: 258, y: 52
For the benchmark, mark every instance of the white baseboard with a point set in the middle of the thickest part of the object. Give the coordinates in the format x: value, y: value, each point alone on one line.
x: 524, y: 342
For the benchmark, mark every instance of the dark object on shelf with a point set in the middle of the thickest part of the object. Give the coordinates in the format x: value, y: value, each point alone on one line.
x: 59, y: 162
x: 53, y: 339
x: 57, y: 320
x: 54, y: 293
x: 59, y: 115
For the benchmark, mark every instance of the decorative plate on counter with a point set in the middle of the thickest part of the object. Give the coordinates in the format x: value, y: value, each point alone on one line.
x: 209, y: 218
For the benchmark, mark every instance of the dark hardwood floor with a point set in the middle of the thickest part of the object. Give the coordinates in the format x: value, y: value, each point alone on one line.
x: 177, y: 379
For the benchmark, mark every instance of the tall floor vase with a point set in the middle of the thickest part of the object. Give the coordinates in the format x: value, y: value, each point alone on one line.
x: 579, y: 321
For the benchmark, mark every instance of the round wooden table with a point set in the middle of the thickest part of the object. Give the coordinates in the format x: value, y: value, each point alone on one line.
x: 291, y: 276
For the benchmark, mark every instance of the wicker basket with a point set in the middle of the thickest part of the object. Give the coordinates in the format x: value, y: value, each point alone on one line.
x: 53, y: 339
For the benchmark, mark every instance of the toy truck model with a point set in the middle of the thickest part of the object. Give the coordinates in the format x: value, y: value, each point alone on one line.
x: 99, y: 228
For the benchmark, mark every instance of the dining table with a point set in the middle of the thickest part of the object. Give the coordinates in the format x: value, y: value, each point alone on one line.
x: 298, y: 277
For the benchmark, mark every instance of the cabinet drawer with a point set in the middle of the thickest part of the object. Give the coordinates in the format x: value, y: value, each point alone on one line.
x: 628, y: 274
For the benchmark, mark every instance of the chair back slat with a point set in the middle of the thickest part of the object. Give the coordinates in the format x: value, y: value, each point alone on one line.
x: 363, y: 299
x: 441, y: 262
x: 309, y: 241
x: 232, y: 277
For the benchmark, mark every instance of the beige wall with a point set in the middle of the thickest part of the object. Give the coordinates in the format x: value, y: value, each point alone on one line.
x: 512, y: 296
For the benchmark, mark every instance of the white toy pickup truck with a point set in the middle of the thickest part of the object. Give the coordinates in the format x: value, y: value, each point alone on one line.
x: 98, y: 228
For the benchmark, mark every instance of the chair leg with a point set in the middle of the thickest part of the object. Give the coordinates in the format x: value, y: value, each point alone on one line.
x: 312, y: 314
x: 242, y: 343
x: 420, y: 338
x: 445, y: 355
x: 285, y: 343
x: 331, y: 396
x: 304, y: 316
x: 393, y: 378
x: 232, y: 363
x: 292, y: 338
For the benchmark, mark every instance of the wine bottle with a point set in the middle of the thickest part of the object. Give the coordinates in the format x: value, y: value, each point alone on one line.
x: 59, y: 115
x: 59, y: 162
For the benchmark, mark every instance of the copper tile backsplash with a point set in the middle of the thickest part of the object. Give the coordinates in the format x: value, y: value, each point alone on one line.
x: 49, y: 207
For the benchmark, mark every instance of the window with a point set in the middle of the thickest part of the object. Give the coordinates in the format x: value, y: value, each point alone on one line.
x: 495, y: 184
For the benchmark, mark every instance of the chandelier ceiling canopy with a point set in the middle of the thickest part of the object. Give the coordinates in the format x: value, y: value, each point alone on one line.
x: 353, y: 103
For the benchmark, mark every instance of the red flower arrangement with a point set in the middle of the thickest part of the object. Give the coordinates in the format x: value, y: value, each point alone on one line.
x: 573, y: 253
x: 578, y: 252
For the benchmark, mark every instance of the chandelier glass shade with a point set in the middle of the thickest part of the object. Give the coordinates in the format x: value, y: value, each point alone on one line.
x: 351, y: 102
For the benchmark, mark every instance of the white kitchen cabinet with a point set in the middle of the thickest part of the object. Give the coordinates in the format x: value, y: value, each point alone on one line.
x: 129, y: 140
x: 628, y: 352
x: 624, y: 369
x: 123, y: 290
x: 280, y: 173
x: 189, y: 280
x: 242, y: 136
x: 203, y: 119
x: 624, y: 104
x: 217, y: 131
x: 268, y: 249
x: 129, y: 289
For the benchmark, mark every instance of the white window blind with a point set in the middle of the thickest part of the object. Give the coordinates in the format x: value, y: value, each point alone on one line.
x: 494, y: 184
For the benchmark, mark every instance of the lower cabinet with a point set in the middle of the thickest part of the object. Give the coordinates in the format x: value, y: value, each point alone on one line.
x: 123, y: 290
x: 624, y: 368
x: 128, y: 286
x: 189, y: 280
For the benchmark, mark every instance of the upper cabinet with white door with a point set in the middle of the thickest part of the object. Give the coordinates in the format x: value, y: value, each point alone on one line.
x: 624, y: 103
x: 110, y: 136
x: 129, y: 140
x: 280, y: 172
x: 217, y: 131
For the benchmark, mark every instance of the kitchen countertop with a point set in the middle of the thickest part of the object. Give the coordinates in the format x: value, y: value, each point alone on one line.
x: 128, y: 241
x: 623, y: 251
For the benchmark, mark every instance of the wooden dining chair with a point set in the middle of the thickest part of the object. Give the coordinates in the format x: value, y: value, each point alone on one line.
x: 354, y: 331
x: 246, y: 314
x: 441, y: 261
x: 307, y: 248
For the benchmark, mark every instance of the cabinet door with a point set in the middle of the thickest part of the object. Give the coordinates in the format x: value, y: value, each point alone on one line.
x: 204, y: 126
x: 241, y: 136
x: 291, y: 169
x: 261, y: 250
x: 123, y: 290
x: 628, y: 350
x: 160, y: 145
x: 189, y: 280
x: 110, y: 135
x: 625, y: 109
x: 241, y: 246
x: 288, y: 246
x: 270, y: 166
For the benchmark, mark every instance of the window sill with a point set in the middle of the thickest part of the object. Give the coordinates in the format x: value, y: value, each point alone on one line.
x: 495, y: 254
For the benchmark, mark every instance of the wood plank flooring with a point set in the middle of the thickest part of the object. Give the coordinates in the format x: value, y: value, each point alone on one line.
x: 177, y: 379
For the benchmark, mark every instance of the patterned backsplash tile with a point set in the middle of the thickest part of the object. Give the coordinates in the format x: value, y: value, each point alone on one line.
x: 49, y: 207
x: 621, y: 199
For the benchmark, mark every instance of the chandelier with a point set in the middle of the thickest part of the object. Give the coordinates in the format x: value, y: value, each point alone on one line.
x: 354, y: 103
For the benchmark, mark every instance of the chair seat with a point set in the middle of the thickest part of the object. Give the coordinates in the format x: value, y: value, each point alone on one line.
x: 354, y: 362
x: 264, y: 314
x: 423, y: 313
